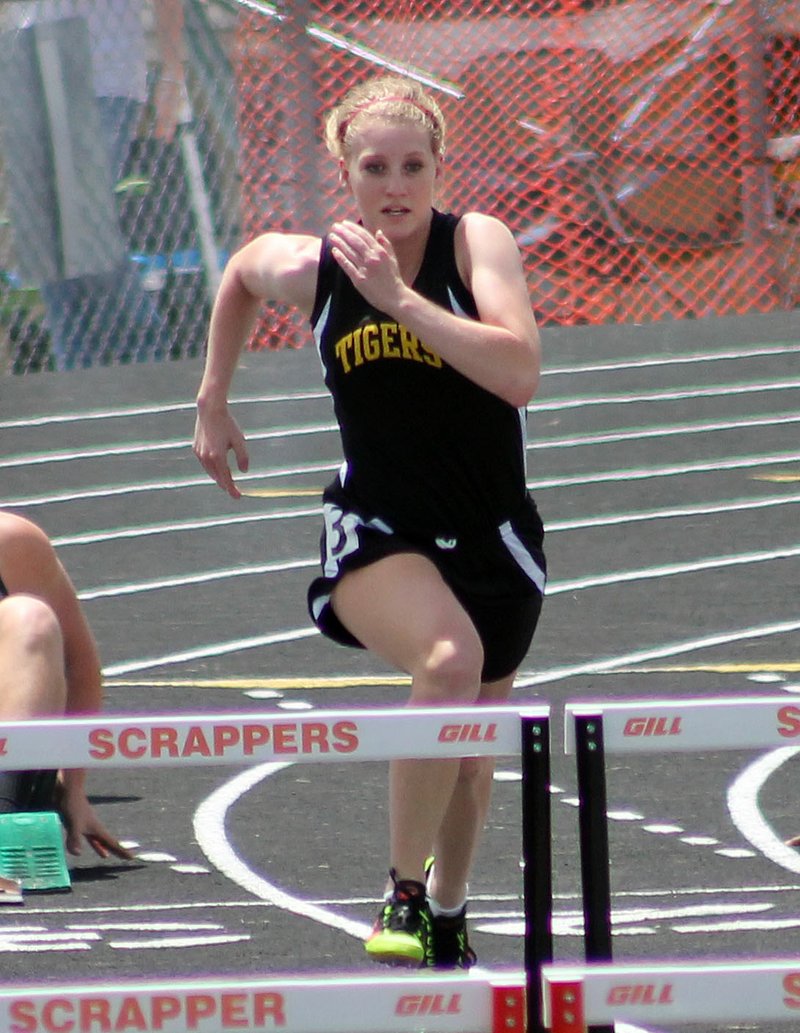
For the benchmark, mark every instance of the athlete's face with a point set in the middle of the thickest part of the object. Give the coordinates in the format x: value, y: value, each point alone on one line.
x: 391, y: 172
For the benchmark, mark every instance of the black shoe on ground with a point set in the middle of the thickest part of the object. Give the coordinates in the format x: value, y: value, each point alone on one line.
x: 451, y: 947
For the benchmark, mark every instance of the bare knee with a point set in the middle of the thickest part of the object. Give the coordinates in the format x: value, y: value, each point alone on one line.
x: 475, y: 773
x: 33, y: 646
x: 450, y: 672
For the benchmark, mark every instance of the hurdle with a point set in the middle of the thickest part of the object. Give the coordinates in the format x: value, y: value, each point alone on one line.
x: 576, y: 998
x: 591, y: 730
x: 474, y: 1002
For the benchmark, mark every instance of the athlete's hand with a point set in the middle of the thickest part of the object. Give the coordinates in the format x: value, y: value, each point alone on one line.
x: 81, y: 822
x: 370, y: 263
x: 216, y: 433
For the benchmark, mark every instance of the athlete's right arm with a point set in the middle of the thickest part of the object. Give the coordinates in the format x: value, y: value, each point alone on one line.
x: 274, y: 267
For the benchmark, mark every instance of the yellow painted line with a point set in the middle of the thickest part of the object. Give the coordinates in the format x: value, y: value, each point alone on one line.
x: 283, y: 684
x: 753, y: 668
x: 281, y: 493
x: 777, y: 478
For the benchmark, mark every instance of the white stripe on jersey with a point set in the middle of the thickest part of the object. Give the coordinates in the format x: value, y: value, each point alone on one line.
x: 522, y: 556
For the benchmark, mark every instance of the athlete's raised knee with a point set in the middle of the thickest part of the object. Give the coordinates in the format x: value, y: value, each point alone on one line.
x: 450, y: 672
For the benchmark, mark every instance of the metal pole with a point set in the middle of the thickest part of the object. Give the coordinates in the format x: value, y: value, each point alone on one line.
x: 537, y: 861
x: 593, y: 826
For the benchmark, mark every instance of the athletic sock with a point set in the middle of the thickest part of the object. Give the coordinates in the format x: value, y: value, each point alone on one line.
x: 445, y: 912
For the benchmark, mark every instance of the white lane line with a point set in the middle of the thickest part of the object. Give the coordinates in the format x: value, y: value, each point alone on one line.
x: 196, y: 579
x: 178, y: 484
x: 647, y: 473
x: 136, y: 412
x: 209, y: 830
x: 178, y: 941
x: 668, y: 395
x: 682, y: 430
x: 217, y: 649
x: 147, y: 447
x: 656, y: 652
x: 746, y: 812
x: 553, y: 588
x: 612, y: 366
x: 552, y: 527
x: 746, y: 352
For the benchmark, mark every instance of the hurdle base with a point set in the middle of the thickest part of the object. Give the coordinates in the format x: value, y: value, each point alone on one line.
x: 32, y: 851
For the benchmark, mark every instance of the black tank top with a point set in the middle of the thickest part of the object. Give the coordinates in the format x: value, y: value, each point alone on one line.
x: 425, y: 448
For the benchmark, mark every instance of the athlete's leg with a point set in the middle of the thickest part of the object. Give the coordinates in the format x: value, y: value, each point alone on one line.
x: 32, y: 677
x: 465, y: 818
x: 402, y: 610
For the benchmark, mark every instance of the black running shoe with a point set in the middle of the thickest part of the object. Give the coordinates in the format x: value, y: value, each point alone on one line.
x: 402, y: 931
x: 451, y: 947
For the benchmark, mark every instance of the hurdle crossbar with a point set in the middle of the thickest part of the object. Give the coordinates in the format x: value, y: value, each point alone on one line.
x: 446, y: 1004
x: 331, y: 736
x: 256, y: 738
x: 579, y: 997
x: 655, y: 725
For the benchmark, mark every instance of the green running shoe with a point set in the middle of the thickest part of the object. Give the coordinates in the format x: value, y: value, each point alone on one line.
x: 402, y: 931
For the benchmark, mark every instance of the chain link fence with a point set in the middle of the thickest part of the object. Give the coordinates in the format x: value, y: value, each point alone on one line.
x: 646, y: 154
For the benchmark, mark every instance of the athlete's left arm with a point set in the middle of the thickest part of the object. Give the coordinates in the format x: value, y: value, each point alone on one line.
x: 501, y: 352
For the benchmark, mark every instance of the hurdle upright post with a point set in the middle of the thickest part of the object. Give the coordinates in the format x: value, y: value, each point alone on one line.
x: 537, y: 875
x: 593, y: 833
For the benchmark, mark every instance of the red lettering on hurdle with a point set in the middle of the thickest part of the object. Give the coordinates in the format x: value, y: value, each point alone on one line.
x: 429, y: 1004
x: 468, y: 733
x: 791, y: 987
x: 636, y: 726
x: 640, y: 993
x: 228, y: 1009
x: 789, y: 721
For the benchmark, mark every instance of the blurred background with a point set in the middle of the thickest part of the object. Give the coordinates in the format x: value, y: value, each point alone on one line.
x: 645, y: 153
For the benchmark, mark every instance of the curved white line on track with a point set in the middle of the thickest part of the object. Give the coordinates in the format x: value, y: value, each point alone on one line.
x: 209, y: 830
x: 747, y: 816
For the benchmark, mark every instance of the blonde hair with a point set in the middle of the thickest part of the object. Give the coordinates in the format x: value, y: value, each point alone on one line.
x: 389, y: 97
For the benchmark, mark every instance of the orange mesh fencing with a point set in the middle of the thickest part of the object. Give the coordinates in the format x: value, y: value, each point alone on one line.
x: 646, y: 154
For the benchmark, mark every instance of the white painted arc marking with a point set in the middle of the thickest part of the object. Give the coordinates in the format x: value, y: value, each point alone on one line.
x: 747, y: 815
x: 209, y: 830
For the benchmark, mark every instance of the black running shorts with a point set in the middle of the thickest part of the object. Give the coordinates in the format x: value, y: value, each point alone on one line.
x: 499, y: 578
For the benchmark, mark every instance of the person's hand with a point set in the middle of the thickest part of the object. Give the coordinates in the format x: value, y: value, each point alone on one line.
x: 80, y: 822
x: 216, y: 433
x: 12, y: 887
x: 369, y: 261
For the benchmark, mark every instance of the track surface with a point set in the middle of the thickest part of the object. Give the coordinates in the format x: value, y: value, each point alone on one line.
x: 666, y: 464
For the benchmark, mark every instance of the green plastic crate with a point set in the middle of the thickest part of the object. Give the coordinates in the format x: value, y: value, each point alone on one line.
x: 32, y: 850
